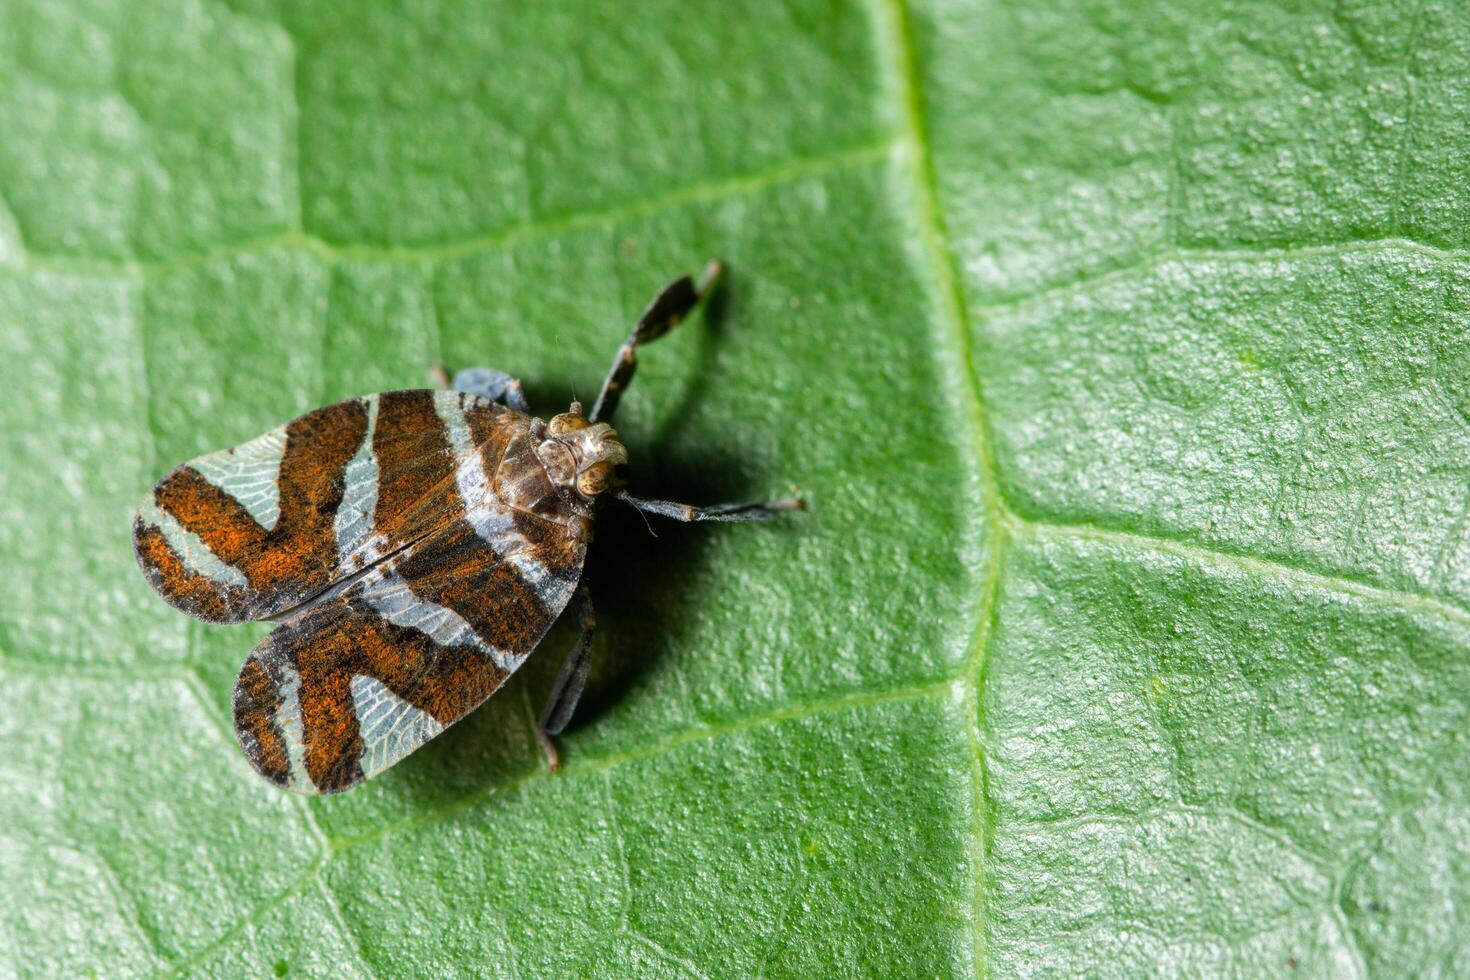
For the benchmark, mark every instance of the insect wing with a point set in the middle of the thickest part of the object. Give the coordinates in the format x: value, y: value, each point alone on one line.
x: 253, y: 531
x: 348, y: 686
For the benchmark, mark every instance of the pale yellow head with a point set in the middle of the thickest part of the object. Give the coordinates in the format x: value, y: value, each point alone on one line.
x: 581, y: 456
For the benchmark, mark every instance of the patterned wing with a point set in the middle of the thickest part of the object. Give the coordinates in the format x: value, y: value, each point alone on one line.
x: 349, y: 685
x: 251, y: 532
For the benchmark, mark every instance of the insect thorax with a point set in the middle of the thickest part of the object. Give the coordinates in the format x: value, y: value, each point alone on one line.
x: 581, y: 457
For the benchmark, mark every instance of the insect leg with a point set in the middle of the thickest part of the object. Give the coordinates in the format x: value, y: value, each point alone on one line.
x: 755, y: 510
x: 668, y: 308
x: 494, y: 385
x: 567, y: 690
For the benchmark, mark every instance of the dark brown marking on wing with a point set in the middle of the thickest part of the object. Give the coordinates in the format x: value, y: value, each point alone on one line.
x: 219, y: 520
x: 298, y: 557
x: 416, y: 488
x: 326, y: 648
x: 463, y: 573
x: 195, y: 593
x: 318, y: 448
x: 491, y: 427
x: 445, y: 682
x: 559, y: 543
x: 257, y: 699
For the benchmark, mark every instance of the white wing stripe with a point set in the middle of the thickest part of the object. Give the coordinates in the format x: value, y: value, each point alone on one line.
x: 191, y: 549
x: 389, y: 595
x: 250, y: 473
x: 469, y: 469
x: 355, y: 515
x: 293, y: 730
x: 390, y: 727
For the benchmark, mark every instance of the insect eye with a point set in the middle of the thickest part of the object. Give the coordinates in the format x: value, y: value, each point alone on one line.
x: 566, y: 422
x: 595, y: 479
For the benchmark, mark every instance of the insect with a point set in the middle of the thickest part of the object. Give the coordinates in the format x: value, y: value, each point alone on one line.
x: 413, y: 548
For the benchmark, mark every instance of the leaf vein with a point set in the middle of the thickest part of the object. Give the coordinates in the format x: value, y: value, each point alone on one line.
x: 333, y: 252
x: 1397, y: 598
x: 1088, y: 283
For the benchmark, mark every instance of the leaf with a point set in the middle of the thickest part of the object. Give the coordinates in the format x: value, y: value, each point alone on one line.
x: 1118, y: 349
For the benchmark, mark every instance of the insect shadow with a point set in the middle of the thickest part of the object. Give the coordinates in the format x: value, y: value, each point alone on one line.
x: 644, y: 575
x: 639, y: 568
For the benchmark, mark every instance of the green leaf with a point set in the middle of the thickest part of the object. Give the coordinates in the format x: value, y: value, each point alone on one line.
x: 1120, y: 351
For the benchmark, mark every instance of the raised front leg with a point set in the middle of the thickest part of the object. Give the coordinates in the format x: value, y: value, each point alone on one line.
x: 755, y: 510
x: 485, y: 382
x: 666, y: 311
x: 567, y: 690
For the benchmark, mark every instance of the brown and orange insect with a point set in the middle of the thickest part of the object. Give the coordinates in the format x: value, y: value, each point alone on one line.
x: 413, y: 547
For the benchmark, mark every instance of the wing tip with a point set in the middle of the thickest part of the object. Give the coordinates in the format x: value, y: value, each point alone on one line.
x: 255, y: 707
x: 166, y: 573
x: 271, y: 729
